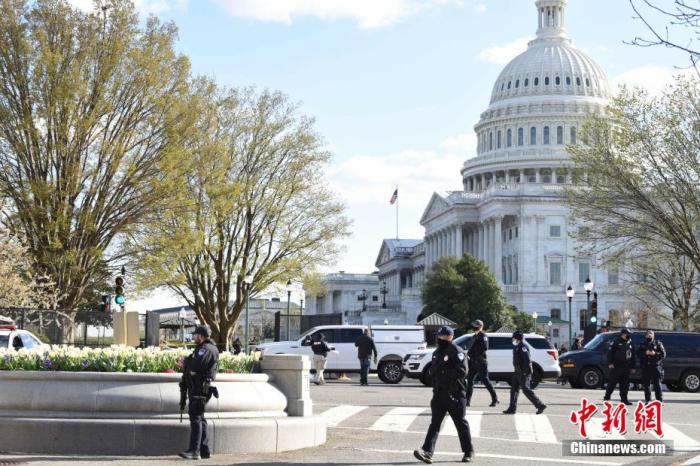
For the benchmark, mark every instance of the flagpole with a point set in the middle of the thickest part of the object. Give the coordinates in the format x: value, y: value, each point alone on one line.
x: 397, y: 213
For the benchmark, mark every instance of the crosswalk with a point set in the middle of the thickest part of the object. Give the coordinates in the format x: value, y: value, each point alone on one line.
x: 522, y: 427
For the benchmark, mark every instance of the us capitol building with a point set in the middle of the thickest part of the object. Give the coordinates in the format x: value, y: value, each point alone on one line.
x: 511, y: 213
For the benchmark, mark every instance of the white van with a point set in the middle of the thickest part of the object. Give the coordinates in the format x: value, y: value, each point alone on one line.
x: 545, y: 359
x: 393, y: 342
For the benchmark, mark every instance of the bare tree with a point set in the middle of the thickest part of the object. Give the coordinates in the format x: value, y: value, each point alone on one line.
x: 675, y: 25
x: 91, y: 111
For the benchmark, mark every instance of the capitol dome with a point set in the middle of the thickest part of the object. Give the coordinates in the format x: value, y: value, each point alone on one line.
x: 537, y: 106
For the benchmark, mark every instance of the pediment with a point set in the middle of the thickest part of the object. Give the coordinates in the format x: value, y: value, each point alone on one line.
x: 436, y: 206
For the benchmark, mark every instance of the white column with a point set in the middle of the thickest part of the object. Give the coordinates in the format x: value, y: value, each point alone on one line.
x: 458, y: 242
x: 537, y: 175
x: 426, y: 248
x: 482, y: 236
x: 539, y: 250
x: 554, y: 175
x: 522, y: 176
x: 487, y: 244
x: 497, y: 250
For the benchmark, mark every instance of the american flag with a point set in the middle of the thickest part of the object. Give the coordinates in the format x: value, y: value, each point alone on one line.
x: 394, y: 197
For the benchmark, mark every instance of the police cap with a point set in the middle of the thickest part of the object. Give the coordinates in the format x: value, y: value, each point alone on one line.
x: 477, y: 323
x: 445, y: 331
x: 518, y: 335
x: 201, y: 330
x: 625, y: 330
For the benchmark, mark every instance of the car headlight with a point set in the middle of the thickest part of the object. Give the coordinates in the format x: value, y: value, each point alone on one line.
x: 415, y: 357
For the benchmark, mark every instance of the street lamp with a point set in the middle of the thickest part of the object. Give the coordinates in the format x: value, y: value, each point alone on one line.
x: 534, y: 318
x: 570, y: 293
x: 588, y: 286
x: 384, y: 291
x: 549, y: 330
x: 248, y: 281
x: 363, y: 298
x: 301, y: 307
x: 289, y: 297
x: 182, y: 314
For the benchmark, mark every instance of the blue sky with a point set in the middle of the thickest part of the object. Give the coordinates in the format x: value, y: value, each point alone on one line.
x: 395, y: 85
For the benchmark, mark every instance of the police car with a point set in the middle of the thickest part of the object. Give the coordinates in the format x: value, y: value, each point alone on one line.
x: 13, y: 338
x: 545, y: 359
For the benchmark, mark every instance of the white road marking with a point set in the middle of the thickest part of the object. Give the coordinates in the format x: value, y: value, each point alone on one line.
x: 517, y: 459
x: 534, y: 428
x: 338, y: 414
x: 681, y: 442
x: 692, y: 462
x: 397, y: 419
x: 594, y: 429
x: 474, y: 420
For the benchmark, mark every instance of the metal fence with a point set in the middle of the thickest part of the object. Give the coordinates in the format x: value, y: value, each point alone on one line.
x: 86, y: 327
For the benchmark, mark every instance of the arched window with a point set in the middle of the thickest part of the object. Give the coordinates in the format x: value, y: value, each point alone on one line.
x: 537, y: 81
x: 509, y: 138
x: 573, y: 135
x: 568, y: 80
x: 521, y: 136
x: 527, y: 82
x: 545, y: 136
x: 490, y: 140
x: 560, y: 135
x: 578, y: 81
x: 517, y: 83
x: 546, y: 81
x: 557, y: 80
x: 509, y: 84
x: 498, y: 139
x: 503, y: 85
x: 533, y: 136
x: 588, y: 82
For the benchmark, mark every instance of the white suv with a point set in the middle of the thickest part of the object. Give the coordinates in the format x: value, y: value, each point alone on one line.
x: 393, y: 342
x: 545, y: 359
x: 12, y: 338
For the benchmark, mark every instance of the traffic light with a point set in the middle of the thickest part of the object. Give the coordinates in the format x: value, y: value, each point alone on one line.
x: 105, y: 306
x: 594, y: 310
x: 119, y: 290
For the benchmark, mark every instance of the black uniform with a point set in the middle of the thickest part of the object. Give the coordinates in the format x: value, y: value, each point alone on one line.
x: 448, y: 371
x: 320, y: 347
x: 201, y: 367
x: 652, y: 371
x: 621, y: 356
x: 478, y: 365
x: 522, y: 374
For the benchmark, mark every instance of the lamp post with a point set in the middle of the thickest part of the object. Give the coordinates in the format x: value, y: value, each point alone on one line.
x: 549, y: 330
x: 588, y: 286
x: 289, y: 297
x: 182, y: 314
x: 570, y: 293
x: 248, y: 281
x: 384, y: 291
x: 301, y: 306
x: 534, y: 318
x: 363, y: 298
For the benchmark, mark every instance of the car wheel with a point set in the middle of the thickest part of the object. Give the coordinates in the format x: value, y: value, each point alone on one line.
x: 591, y: 378
x: 674, y: 387
x: 390, y: 371
x: 574, y: 383
x: 690, y: 381
x: 536, y: 378
x: 425, y: 378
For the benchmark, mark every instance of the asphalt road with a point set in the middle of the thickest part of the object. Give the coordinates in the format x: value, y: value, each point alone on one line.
x: 383, y: 424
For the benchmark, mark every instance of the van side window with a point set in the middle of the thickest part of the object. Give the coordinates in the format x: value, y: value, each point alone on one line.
x: 500, y: 343
x: 349, y: 335
x: 539, y: 343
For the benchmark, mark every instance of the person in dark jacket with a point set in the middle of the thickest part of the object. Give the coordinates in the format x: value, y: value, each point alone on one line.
x: 448, y: 371
x: 237, y: 346
x: 651, y: 353
x: 522, y: 373
x: 365, y: 349
x: 621, y: 362
x: 320, y: 349
x: 478, y: 365
x: 201, y: 367
x: 576, y: 344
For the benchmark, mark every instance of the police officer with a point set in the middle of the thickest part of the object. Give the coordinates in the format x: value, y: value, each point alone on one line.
x: 650, y: 354
x: 199, y: 370
x: 478, y: 364
x: 522, y: 374
x: 320, y: 349
x: 621, y: 362
x: 448, y: 371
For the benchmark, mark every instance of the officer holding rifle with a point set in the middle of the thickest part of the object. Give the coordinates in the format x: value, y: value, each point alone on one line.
x: 198, y: 371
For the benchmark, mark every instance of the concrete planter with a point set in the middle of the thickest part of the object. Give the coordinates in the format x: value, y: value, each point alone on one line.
x: 139, y: 414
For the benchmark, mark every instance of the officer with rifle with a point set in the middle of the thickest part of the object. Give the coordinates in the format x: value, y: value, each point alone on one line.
x: 198, y: 371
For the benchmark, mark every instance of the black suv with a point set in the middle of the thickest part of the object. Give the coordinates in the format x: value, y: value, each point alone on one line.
x: 588, y: 368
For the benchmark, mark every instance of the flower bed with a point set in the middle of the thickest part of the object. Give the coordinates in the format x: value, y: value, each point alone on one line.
x: 112, y: 359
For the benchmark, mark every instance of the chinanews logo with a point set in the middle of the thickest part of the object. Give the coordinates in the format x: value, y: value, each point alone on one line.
x: 605, y: 435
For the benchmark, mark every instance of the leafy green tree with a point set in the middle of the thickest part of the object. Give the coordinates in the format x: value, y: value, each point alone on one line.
x: 520, y: 320
x: 464, y: 290
x: 254, y: 202
x: 92, y: 109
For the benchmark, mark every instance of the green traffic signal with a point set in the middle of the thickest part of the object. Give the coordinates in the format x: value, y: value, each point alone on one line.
x: 119, y: 299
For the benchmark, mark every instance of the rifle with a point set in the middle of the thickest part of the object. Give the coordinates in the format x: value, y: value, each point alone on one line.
x: 184, y: 384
